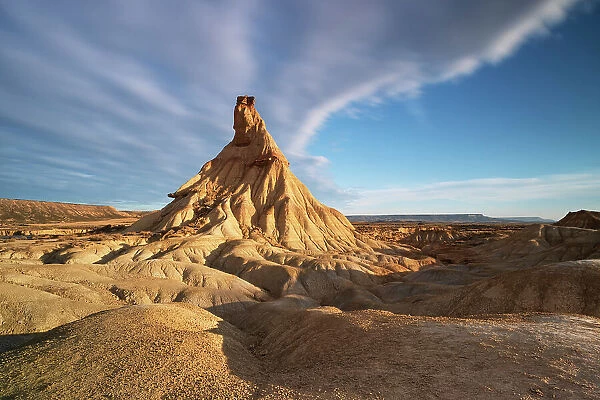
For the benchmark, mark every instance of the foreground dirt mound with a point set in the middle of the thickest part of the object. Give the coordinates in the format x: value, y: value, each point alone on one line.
x: 151, y: 352
x: 541, y: 244
x: 570, y: 288
x: 37, y: 212
x: 284, y: 351
x: 377, y: 354
x: 581, y: 219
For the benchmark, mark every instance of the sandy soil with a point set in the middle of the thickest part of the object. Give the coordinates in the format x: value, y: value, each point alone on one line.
x: 181, y: 351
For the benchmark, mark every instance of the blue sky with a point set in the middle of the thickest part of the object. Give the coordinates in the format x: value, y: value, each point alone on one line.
x: 381, y: 106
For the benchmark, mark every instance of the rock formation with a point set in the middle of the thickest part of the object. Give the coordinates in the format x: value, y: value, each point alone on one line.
x: 248, y: 191
x: 581, y: 219
x: 14, y: 211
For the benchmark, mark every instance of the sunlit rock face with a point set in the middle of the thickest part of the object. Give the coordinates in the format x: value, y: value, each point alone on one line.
x: 248, y: 190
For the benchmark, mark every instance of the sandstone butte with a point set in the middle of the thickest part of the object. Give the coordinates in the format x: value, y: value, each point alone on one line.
x: 248, y: 191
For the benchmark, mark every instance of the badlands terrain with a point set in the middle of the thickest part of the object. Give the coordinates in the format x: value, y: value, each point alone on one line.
x: 246, y: 286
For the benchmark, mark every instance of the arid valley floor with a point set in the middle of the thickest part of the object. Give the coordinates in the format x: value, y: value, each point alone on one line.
x: 245, y: 286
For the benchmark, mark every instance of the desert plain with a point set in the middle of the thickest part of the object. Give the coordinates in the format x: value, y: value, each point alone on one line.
x: 246, y: 286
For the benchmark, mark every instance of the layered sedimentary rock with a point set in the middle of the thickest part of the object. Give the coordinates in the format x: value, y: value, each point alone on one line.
x: 248, y: 191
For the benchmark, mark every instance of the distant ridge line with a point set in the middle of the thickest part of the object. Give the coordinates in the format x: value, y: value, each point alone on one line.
x: 17, y: 211
x: 447, y: 218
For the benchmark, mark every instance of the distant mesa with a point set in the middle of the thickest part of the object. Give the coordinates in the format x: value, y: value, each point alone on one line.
x: 446, y: 218
x: 248, y: 191
x: 581, y: 219
x: 13, y: 211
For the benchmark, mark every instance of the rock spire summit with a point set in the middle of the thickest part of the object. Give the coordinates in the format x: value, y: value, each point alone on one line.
x: 248, y: 190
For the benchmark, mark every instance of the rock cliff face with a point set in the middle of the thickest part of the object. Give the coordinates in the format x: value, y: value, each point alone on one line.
x: 248, y: 191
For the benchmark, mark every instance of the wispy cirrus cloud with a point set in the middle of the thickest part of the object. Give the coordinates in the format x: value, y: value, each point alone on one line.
x: 389, y: 49
x: 141, y: 92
